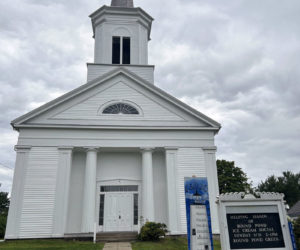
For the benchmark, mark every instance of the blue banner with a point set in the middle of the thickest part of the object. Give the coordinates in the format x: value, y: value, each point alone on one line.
x: 292, y: 236
x: 196, y: 193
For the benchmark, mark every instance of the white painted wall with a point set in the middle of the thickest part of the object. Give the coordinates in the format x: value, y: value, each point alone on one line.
x: 84, y: 108
x: 190, y: 162
x: 39, y: 193
x: 115, y: 138
x: 213, y: 186
x: 17, y: 194
x: 40, y: 187
x: 160, y: 188
x: 119, y: 165
x: 144, y: 71
x: 91, y: 108
x: 124, y: 26
x: 76, y: 193
x: 111, y: 166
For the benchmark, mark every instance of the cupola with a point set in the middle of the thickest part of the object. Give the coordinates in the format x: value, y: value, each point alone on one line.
x: 121, y: 33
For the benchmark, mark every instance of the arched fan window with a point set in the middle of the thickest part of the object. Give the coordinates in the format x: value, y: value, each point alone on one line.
x: 120, y: 108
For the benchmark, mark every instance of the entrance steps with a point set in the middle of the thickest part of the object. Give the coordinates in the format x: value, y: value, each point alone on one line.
x: 117, y: 236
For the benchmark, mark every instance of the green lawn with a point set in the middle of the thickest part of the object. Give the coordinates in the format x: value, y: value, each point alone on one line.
x: 50, y: 245
x: 167, y: 244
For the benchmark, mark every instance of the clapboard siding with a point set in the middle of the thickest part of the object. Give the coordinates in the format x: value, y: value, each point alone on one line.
x: 190, y: 162
x: 89, y: 108
x: 39, y: 193
x: 96, y: 70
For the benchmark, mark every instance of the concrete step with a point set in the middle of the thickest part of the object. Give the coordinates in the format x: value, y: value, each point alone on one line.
x: 117, y: 236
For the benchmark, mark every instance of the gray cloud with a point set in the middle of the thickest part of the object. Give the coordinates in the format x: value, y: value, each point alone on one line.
x: 235, y: 61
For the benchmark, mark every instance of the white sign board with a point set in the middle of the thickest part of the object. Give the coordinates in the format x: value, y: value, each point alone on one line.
x: 253, y: 222
x: 200, y: 237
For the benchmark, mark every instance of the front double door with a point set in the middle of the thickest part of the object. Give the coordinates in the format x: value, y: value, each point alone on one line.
x: 118, y: 210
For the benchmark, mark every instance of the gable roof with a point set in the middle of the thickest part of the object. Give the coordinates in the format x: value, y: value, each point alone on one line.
x: 295, y: 210
x: 20, y: 121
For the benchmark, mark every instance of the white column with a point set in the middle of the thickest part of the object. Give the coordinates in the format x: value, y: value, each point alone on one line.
x: 89, y: 192
x: 16, y: 202
x: 171, y: 166
x: 62, y: 191
x: 147, y: 185
x: 213, y: 185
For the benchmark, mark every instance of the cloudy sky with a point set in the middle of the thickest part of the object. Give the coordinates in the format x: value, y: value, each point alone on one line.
x: 237, y: 61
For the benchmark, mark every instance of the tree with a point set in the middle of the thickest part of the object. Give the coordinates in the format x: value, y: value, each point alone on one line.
x: 296, y: 226
x: 288, y: 184
x: 4, y: 204
x: 232, y: 178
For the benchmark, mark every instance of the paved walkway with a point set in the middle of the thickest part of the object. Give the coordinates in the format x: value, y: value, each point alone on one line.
x: 117, y: 246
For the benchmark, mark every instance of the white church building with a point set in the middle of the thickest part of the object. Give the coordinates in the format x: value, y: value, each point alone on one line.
x: 113, y: 152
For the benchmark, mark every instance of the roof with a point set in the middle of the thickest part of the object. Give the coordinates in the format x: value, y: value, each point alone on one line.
x: 295, y: 210
x: 17, y: 123
x: 98, y: 16
x: 122, y: 3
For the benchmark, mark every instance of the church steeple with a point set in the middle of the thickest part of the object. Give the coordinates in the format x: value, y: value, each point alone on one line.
x: 121, y: 33
x: 122, y: 3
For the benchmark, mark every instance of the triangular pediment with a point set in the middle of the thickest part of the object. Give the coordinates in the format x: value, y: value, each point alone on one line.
x: 84, y: 106
x: 91, y: 108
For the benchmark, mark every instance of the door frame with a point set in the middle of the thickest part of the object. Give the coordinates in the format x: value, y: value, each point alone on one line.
x: 117, y: 182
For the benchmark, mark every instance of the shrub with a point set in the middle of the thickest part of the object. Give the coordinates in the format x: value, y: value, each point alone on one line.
x: 2, y: 225
x: 152, y: 231
x: 297, y: 231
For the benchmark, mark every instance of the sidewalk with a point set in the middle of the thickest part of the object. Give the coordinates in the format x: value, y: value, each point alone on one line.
x: 117, y: 246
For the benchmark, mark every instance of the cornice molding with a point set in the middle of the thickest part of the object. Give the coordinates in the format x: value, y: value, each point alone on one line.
x: 22, y: 148
x: 212, y: 148
x: 258, y: 196
x: 147, y: 149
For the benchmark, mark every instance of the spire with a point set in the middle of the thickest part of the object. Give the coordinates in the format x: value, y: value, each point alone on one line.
x: 122, y: 3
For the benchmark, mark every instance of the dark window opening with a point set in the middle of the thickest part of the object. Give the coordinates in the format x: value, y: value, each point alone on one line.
x: 120, y: 50
x: 135, y: 209
x: 126, y: 50
x: 120, y: 108
x: 116, y: 46
x: 101, y: 210
x: 119, y: 188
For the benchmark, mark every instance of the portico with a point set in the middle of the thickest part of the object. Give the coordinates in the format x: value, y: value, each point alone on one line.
x: 104, y: 179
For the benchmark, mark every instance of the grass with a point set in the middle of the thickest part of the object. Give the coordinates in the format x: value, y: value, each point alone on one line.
x: 167, y: 244
x: 50, y: 245
x: 217, y: 245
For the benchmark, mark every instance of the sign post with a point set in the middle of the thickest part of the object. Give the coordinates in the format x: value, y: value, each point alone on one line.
x: 292, y: 236
x: 198, y: 214
x: 253, y: 222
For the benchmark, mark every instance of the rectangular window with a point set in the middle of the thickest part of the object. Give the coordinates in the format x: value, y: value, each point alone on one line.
x: 101, y: 210
x: 135, y: 209
x: 119, y: 188
x: 126, y: 50
x: 116, y: 50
